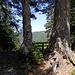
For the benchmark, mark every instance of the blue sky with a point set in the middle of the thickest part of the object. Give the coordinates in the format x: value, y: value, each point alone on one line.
x: 38, y: 24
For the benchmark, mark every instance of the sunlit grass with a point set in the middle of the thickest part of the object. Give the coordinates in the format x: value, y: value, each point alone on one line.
x: 73, y: 72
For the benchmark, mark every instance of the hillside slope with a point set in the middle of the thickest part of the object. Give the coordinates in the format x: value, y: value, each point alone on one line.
x: 39, y: 36
x: 36, y: 36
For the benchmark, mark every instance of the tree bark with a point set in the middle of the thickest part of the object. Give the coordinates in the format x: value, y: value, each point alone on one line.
x: 27, y: 34
x: 60, y: 38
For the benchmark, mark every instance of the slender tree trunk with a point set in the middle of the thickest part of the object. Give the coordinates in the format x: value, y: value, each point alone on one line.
x: 27, y: 34
x: 60, y: 38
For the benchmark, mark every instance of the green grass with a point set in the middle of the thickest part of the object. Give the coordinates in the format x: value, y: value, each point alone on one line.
x: 73, y: 72
x: 67, y: 61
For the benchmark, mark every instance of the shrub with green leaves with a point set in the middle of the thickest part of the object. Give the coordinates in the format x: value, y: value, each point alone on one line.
x: 35, y: 56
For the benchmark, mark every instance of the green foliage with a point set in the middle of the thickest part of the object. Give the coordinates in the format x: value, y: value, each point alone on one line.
x: 72, y: 23
x: 8, y: 38
x: 72, y: 18
x: 35, y: 56
x: 48, y: 26
x: 73, y: 72
x: 16, y: 41
x: 50, y: 21
x: 5, y: 38
x: 72, y: 4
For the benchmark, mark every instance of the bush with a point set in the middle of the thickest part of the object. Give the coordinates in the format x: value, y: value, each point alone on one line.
x: 35, y: 56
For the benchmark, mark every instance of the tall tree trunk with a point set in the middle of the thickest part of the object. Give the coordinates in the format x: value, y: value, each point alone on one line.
x: 60, y: 38
x: 27, y: 34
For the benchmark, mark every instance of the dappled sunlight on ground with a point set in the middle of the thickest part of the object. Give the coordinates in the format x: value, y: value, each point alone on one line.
x: 11, y: 65
x: 45, y: 69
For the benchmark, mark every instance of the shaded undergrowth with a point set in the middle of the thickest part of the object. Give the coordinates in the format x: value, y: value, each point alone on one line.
x: 13, y: 63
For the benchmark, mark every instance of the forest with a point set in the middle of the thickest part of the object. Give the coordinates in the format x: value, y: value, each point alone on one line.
x: 56, y: 56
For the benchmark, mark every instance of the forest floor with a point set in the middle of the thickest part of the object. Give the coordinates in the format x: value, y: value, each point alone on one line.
x: 44, y: 69
x: 11, y: 65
